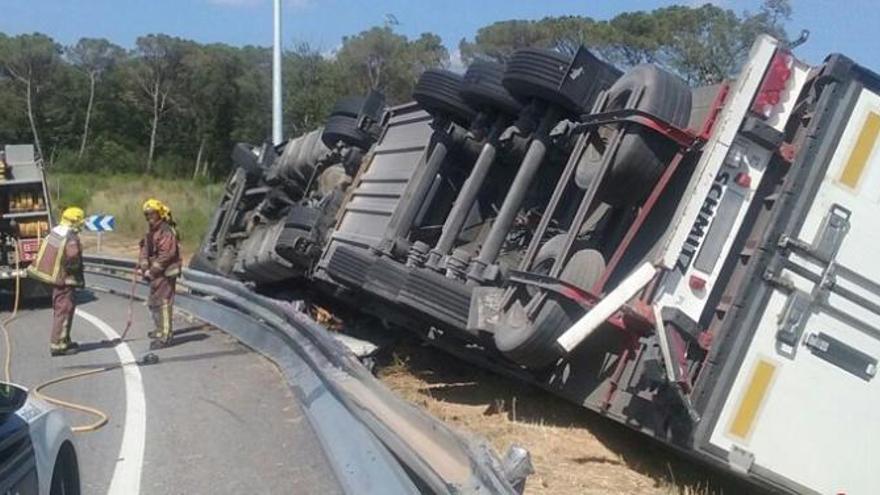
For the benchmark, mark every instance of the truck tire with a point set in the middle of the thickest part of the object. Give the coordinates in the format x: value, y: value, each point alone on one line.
x: 547, y: 255
x: 344, y: 128
x: 437, y: 91
x: 533, y: 344
x: 642, y: 154
x: 349, y: 106
x: 542, y: 74
x: 482, y: 89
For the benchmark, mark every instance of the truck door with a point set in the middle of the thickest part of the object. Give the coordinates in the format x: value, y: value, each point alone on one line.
x: 803, y: 410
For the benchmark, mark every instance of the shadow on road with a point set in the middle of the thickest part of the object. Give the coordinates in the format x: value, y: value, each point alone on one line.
x: 178, y: 340
x: 166, y: 359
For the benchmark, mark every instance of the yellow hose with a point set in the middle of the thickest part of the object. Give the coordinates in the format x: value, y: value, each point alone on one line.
x: 103, y: 418
x: 7, y: 366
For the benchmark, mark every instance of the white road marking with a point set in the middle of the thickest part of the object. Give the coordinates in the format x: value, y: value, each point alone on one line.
x: 126, y: 478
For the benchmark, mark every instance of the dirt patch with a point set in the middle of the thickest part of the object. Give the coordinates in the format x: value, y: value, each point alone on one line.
x: 573, y: 450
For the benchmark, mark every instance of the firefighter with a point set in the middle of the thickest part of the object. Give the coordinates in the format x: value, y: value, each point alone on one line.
x: 159, y: 263
x: 59, y: 263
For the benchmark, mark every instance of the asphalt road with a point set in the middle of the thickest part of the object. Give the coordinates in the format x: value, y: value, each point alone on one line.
x: 210, y: 417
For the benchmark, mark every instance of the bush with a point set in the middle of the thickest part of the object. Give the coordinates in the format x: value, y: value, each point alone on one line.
x: 192, y: 202
x: 102, y: 156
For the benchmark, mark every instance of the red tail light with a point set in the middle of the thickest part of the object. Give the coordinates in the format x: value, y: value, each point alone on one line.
x: 697, y: 283
x: 770, y: 92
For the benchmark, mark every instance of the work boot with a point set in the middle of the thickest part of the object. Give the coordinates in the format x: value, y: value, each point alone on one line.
x: 63, y: 349
x: 154, y: 334
x: 159, y: 344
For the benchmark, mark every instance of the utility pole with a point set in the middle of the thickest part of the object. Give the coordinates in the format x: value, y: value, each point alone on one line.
x: 277, y: 131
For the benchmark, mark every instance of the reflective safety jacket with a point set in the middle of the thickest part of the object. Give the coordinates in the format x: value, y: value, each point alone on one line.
x: 59, y: 261
x: 160, y: 252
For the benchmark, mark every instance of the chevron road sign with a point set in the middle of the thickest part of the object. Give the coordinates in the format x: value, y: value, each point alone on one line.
x: 101, y: 223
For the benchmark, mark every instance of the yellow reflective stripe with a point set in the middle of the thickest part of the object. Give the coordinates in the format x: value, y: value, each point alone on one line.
x: 65, y: 329
x: 858, y: 159
x: 166, y: 320
x: 752, y: 399
x: 59, y: 256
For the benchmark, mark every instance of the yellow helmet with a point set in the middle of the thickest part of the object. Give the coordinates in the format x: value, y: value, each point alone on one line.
x: 73, y: 217
x: 157, y: 206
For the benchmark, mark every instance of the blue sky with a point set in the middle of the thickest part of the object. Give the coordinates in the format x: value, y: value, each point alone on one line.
x: 846, y: 26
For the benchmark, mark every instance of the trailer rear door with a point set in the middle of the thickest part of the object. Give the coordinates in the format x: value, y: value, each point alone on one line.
x: 804, y: 406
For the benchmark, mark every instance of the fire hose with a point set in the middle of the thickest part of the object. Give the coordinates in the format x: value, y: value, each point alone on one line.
x: 103, y: 417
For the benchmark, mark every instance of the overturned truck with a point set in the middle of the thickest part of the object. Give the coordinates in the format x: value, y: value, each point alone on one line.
x: 695, y: 263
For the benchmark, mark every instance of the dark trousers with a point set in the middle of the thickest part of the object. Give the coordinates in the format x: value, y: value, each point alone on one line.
x: 63, y: 306
x: 161, y: 303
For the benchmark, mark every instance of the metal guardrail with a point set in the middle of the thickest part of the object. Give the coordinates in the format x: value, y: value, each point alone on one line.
x: 376, y: 442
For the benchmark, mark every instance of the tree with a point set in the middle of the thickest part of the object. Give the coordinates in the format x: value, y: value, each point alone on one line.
x: 633, y: 38
x: 497, y: 41
x: 207, y: 96
x: 312, y: 84
x: 380, y: 59
x: 254, y: 88
x: 93, y: 57
x: 29, y: 60
x: 155, y: 68
x: 704, y: 45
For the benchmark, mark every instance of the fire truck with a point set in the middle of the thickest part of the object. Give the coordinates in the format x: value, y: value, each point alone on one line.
x: 25, y: 216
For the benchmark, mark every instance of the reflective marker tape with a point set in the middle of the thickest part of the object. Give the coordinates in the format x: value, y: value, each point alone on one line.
x: 752, y: 399
x: 858, y: 159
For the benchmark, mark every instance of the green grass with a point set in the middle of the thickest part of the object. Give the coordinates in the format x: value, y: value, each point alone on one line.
x: 191, y: 202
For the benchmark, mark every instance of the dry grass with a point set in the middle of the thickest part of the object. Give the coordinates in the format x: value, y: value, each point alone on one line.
x: 122, y: 195
x: 573, y: 450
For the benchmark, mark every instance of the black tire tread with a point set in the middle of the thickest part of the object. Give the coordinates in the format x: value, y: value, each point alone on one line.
x: 642, y: 154
x: 349, y: 106
x: 557, y: 314
x: 538, y: 73
x: 437, y: 91
x: 345, y: 129
x: 483, y: 90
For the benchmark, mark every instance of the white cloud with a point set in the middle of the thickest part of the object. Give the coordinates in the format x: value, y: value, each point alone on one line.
x: 330, y: 54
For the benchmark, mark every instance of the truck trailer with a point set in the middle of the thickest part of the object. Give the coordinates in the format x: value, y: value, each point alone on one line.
x: 695, y: 263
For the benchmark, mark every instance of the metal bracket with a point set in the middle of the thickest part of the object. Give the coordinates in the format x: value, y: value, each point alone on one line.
x: 567, y: 290
x: 842, y: 355
x: 792, y: 322
x: 823, y: 251
x: 740, y: 460
x: 834, y: 228
x: 828, y: 240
